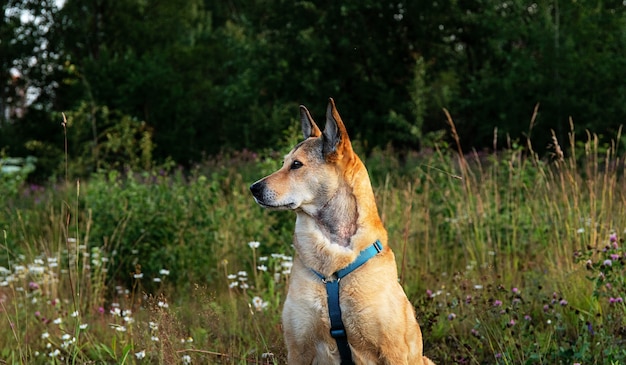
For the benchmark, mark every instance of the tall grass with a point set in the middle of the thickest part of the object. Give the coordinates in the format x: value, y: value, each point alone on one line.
x: 507, y: 257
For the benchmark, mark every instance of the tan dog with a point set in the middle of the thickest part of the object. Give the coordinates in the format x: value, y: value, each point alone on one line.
x: 328, y: 187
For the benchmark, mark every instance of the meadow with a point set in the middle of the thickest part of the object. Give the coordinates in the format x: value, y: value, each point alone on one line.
x: 509, y: 258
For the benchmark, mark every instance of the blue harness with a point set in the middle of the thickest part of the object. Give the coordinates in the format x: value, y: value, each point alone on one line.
x: 337, y: 330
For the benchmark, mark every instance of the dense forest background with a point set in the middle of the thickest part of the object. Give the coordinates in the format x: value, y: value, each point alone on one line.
x: 141, y: 82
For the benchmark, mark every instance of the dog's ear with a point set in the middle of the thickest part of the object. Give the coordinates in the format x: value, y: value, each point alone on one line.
x: 309, y: 128
x: 336, y: 140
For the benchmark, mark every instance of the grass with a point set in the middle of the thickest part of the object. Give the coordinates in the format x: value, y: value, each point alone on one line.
x: 508, y: 259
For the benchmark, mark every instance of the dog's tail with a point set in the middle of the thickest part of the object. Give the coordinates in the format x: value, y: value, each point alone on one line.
x: 428, y: 361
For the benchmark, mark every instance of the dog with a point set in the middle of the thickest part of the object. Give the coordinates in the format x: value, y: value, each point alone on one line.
x: 328, y: 187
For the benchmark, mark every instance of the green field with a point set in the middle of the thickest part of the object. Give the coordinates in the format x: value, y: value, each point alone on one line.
x: 508, y: 259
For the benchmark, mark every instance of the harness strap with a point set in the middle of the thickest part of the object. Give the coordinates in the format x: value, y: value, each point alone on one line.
x: 337, y: 329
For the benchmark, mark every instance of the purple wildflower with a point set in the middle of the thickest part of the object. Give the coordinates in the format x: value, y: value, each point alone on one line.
x: 451, y: 316
x: 563, y: 302
x: 497, y: 303
x: 511, y: 323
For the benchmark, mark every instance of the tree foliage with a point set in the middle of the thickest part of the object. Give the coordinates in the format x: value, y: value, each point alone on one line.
x: 194, y: 77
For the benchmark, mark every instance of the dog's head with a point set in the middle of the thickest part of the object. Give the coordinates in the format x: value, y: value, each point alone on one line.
x: 312, y: 171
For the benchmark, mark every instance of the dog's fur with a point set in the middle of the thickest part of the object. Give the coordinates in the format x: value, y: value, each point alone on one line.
x: 328, y: 187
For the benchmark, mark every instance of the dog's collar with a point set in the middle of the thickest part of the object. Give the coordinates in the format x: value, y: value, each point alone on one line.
x: 363, y: 257
x: 337, y: 329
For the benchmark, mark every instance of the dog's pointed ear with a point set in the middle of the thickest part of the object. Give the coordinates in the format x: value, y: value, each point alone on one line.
x: 336, y: 139
x: 309, y: 128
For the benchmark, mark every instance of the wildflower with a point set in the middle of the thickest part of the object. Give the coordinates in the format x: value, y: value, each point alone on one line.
x: 83, y: 326
x: 563, y: 302
x: 478, y: 287
x: 580, y: 230
x: 71, y: 240
x: 262, y: 268
x: 231, y: 277
x: 468, y: 299
x: 33, y: 285
x: 254, y: 244
x: 474, y: 332
x: 511, y: 323
x: 57, y: 321
x: 259, y: 304
x: 119, y: 328
x: 162, y: 304
x: 515, y: 290
x: 116, y: 312
x: 138, y: 275
x: 614, y: 256
x: 233, y: 284
x: 451, y: 316
x: 616, y: 300
x: 528, y: 318
x: 242, y: 274
x: 101, y: 310
x: 45, y: 335
x: 613, y: 237
x: 66, y: 337
x: 429, y: 293
x: 164, y: 272
x: 156, y: 280
x: 54, y: 353
x: 549, y: 321
x: 546, y: 308
x: 74, y: 314
x: 154, y: 339
x: 140, y: 355
x: 497, y: 303
x: 153, y: 326
x: 186, y: 359
x: 607, y: 263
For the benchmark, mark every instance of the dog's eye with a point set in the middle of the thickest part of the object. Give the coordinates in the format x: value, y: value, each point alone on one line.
x: 296, y: 165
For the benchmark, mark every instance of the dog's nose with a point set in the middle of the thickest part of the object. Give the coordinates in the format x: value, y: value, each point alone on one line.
x: 256, y: 189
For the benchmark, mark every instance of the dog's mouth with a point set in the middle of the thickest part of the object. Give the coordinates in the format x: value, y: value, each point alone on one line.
x: 275, y: 206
